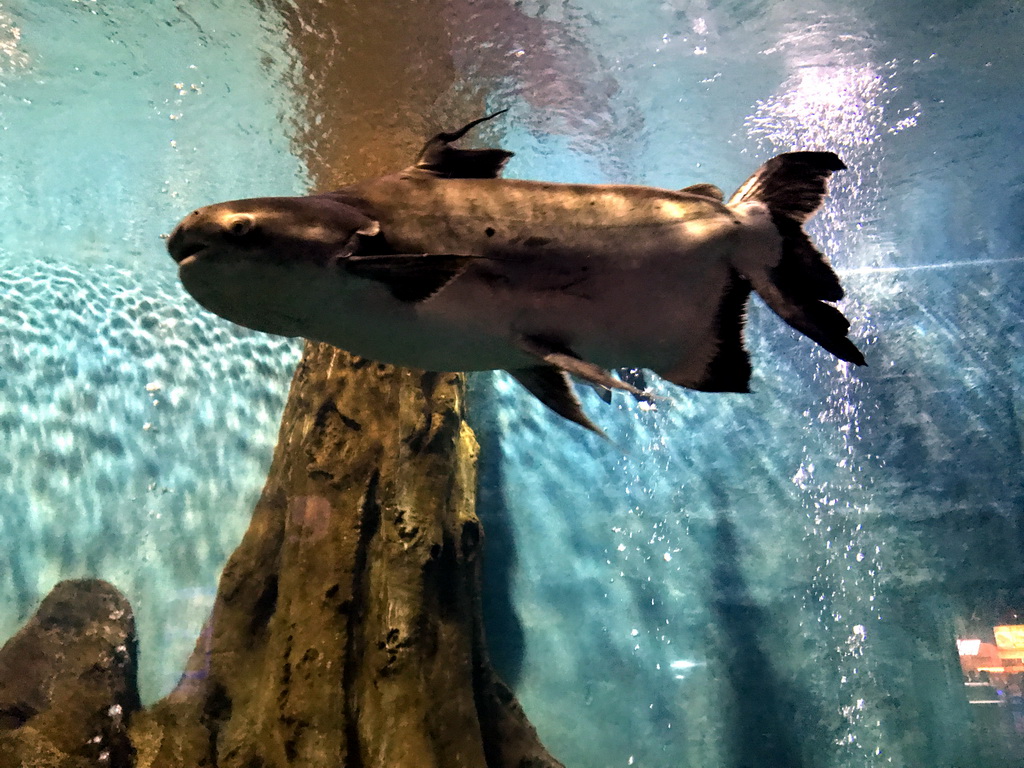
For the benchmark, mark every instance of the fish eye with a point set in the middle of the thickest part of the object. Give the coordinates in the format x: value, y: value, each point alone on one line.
x: 239, y: 226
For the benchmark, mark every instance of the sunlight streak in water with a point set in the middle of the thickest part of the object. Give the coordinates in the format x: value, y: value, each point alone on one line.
x: 939, y: 265
x: 839, y: 104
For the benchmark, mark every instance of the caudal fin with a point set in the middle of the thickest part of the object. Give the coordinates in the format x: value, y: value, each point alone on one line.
x: 798, y: 287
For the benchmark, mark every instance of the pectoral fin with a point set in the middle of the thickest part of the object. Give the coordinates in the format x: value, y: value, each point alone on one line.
x: 552, y: 387
x: 411, y: 277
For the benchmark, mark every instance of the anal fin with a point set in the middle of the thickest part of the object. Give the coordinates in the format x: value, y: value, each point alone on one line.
x: 727, y: 369
x: 552, y: 387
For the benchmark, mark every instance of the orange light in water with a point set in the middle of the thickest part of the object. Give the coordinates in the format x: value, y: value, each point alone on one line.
x: 1010, y: 636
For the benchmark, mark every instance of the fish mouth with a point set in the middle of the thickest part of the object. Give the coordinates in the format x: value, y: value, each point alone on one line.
x: 187, y: 253
x: 184, y: 246
x: 190, y: 256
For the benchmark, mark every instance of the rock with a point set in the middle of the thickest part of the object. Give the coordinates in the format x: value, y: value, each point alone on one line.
x: 68, y: 681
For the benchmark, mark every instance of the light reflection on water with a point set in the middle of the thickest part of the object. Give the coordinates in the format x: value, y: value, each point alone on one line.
x: 135, y: 430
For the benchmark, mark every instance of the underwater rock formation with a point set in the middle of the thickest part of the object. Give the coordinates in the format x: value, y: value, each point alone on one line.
x: 347, y: 628
x: 68, y: 681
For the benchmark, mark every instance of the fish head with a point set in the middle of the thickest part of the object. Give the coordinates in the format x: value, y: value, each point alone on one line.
x: 264, y: 262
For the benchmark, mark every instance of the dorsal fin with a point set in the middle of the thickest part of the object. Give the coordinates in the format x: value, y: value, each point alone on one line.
x: 438, y: 157
x: 705, y: 190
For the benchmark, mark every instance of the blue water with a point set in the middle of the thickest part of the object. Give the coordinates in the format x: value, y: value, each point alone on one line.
x: 135, y: 431
x: 776, y: 579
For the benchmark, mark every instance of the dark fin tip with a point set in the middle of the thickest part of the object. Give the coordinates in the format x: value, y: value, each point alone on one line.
x: 729, y: 369
x: 826, y: 325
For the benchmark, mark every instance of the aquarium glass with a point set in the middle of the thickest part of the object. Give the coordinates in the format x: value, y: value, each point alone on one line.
x: 828, y: 572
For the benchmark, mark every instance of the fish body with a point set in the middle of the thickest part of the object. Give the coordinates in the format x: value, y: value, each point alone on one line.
x: 447, y: 266
x: 590, y: 265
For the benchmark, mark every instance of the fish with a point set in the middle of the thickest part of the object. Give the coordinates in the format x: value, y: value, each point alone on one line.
x: 448, y: 266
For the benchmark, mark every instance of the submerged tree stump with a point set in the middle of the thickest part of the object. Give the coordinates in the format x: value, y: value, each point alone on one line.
x: 347, y: 627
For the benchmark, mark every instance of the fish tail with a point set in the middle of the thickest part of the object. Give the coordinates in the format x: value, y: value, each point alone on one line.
x: 799, y: 285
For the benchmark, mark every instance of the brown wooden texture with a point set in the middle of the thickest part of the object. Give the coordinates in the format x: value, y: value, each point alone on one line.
x: 347, y: 627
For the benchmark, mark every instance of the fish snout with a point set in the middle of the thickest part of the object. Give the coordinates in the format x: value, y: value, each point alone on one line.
x: 183, y: 244
x: 205, y: 227
x: 185, y: 240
